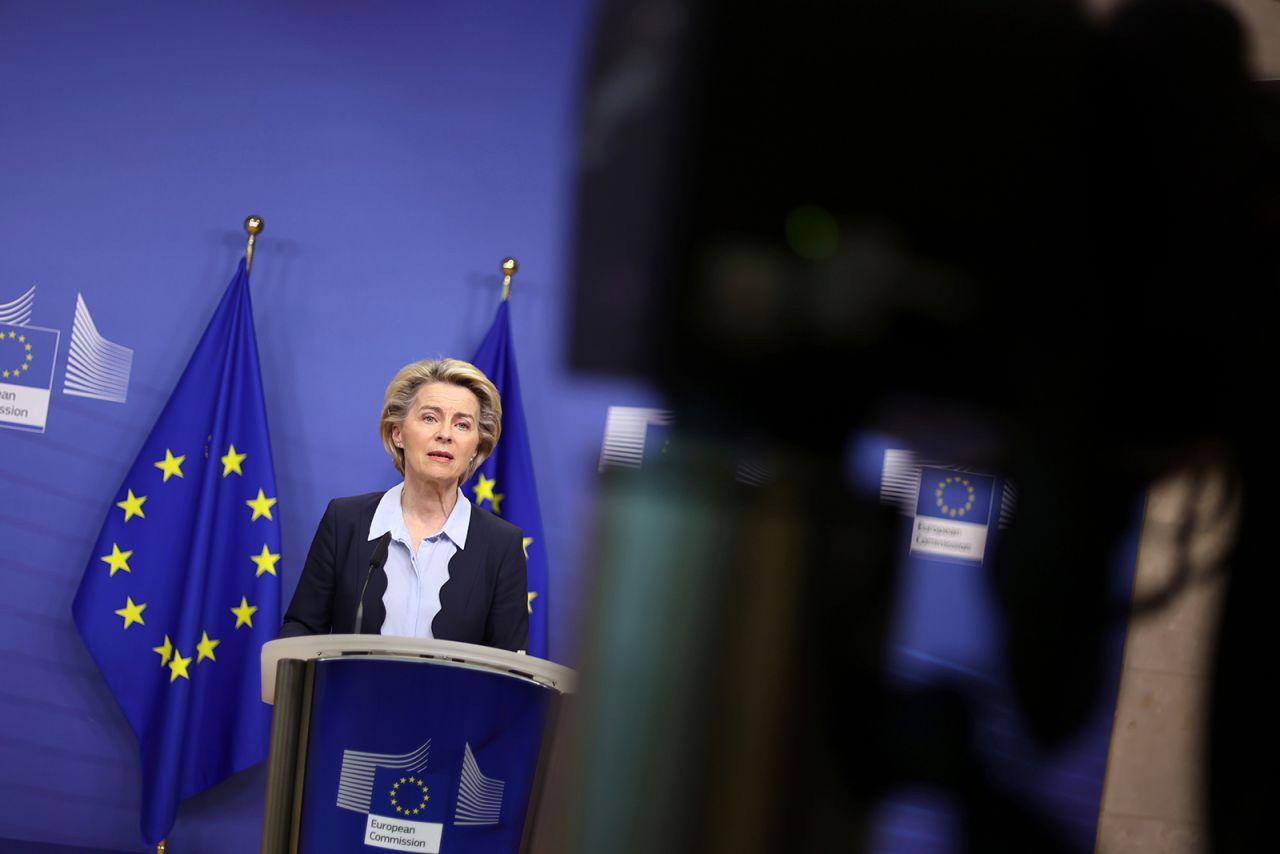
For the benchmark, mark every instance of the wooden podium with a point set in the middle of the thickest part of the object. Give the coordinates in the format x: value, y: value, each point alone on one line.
x: 405, y: 744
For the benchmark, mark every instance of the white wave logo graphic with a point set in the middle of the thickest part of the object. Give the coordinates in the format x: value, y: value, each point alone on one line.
x: 479, y: 797
x: 900, y: 481
x: 18, y: 312
x: 355, y: 782
x: 624, y: 431
x: 96, y: 367
x: 1008, y: 501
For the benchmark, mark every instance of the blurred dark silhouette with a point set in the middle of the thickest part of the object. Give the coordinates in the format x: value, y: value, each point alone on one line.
x: 1018, y: 237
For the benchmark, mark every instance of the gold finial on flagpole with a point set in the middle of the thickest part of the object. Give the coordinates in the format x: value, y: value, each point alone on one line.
x: 509, y: 267
x: 253, y: 225
x: 160, y: 844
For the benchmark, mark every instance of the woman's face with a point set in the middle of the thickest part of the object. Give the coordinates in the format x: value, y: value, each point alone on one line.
x: 440, y: 434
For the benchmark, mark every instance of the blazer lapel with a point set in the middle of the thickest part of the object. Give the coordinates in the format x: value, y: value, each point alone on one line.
x: 465, y: 571
x: 375, y: 613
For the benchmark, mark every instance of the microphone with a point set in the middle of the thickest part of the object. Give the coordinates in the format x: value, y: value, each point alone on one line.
x: 375, y: 562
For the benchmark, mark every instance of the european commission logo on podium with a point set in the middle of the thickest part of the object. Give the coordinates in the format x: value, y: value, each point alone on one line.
x: 407, y: 804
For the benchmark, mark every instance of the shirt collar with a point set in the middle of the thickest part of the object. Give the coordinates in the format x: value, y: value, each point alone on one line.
x: 389, y: 517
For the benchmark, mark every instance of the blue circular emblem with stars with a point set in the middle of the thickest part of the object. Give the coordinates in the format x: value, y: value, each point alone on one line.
x: 15, y: 357
x: 409, y: 795
x: 954, y: 496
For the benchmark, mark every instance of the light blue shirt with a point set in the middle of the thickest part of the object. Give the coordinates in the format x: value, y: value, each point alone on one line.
x: 414, y: 579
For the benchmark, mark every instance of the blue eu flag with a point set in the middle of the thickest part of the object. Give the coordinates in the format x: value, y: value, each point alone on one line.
x: 504, y: 484
x: 183, y: 586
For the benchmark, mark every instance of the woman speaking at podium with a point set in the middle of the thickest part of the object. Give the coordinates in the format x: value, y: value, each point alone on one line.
x: 419, y: 560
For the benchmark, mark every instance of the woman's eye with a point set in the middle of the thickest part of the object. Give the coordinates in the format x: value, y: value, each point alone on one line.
x: 462, y: 425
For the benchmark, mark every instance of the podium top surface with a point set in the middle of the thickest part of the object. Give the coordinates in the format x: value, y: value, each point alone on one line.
x: 453, y: 653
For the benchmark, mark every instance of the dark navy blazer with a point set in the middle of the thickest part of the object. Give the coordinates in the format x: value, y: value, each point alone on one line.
x: 485, y: 601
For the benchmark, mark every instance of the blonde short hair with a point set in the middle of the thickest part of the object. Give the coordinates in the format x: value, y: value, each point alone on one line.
x: 412, y: 377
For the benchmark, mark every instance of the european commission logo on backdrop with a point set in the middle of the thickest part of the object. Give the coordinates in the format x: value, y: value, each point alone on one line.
x: 953, y: 507
x: 406, y: 803
x: 96, y: 367
x: 27, y: 356
x: 638, y: 436
x: 952, y: 514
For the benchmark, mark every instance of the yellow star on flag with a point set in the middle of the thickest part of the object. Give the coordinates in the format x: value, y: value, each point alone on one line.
x: 132, y: 613
x: 178, y: 667
x: 205, y: 647
x: 483, y: 488
x: 231, y: 462
x: 244, y: 614
x: 132, y: 506
x: 266, y: 561
x: 528, y: 541
x: 532, y: 596
x: 117, y: 560
x: 170, y: 465
x: 261, y: 506
x: 165, y: 650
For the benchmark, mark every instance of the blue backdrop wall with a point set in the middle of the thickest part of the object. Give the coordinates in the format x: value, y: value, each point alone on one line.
x: 396, y: 150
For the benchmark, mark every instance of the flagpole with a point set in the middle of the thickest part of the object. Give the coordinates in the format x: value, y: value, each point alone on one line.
x: 253, y: 225
x: 509, y: 267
